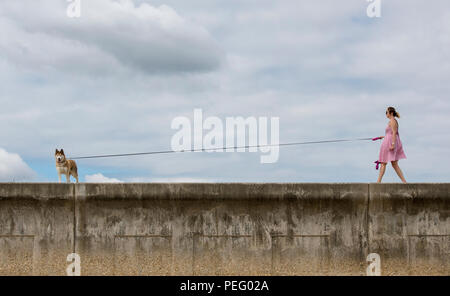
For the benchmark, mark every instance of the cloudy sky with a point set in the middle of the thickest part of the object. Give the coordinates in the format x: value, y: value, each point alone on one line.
x: 112, y: 80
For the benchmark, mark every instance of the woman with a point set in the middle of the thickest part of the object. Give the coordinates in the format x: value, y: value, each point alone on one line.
x: 391, y: 148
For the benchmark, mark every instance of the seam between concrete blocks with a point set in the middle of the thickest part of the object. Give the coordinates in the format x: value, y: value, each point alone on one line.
x: 367, y: 220
x: 74, y: 218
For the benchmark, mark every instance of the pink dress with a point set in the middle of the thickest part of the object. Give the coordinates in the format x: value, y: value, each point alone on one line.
x: 387, y: 155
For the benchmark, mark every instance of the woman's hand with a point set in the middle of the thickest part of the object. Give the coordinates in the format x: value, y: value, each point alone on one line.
x: 377, y: 138
x: 392, y: 146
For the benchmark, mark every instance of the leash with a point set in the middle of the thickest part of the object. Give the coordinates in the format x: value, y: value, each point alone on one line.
x: 223, y: 148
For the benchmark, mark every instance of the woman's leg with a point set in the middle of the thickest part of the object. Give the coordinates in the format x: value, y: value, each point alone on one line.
x: 382, y: 170
x: 398, y: 170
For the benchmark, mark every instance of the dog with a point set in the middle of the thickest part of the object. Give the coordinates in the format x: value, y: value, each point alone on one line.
x: 65, y: 166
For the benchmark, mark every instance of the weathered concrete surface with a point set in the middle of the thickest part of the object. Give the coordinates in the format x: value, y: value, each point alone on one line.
x: 409, y: 226
x: 224, y: 229
x: 36, y: 228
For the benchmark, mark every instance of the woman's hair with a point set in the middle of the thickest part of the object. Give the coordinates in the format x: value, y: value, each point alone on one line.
x: 392, y: 111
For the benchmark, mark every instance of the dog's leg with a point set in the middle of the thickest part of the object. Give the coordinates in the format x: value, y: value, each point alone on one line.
x: 59, y: 177
x: 75, y: 173
x: 68, y: 178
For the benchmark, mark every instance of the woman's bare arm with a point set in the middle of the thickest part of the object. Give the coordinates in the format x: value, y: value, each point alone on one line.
x: 394, y: 127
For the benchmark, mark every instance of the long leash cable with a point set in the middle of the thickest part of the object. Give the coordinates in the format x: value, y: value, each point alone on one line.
x: 220, y: 148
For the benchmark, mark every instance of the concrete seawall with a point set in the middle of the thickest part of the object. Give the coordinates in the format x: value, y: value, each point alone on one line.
x: 224, y: 229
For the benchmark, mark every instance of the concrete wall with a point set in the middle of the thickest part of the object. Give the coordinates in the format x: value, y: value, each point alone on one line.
x: 224, y: 229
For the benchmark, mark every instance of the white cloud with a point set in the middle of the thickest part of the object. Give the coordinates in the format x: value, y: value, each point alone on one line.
x: 99, y: 178
x: 109, y: 37
x: 13, y: 168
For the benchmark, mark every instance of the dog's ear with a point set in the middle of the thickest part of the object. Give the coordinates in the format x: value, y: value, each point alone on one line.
x: 62, y: 151
x: 56, y: 151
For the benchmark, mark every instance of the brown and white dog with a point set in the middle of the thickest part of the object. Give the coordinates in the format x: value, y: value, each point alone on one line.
x: 65, y: 166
